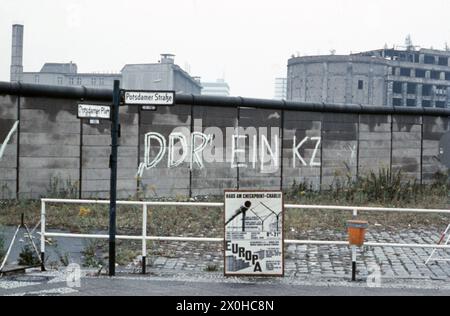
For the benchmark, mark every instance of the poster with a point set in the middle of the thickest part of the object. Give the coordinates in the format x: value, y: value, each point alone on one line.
x: 254, y: 233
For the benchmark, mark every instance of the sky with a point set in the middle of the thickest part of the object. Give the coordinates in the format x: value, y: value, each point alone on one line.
x: 247, y: 42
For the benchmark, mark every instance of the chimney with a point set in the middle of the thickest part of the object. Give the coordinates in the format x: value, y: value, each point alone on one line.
x: 17, y: 53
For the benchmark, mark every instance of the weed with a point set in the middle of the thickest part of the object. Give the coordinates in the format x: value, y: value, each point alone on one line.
x: 385, y: 187
x: 125, y: 255
x: 28, y: 257
x: 60, y: 189
x: 91, y: 259
x: 211, y: 267
x: 5, y: 192
x: 64, y: 258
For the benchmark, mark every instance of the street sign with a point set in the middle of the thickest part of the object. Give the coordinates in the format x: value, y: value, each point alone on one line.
x: 94, y: 111
x: 254, y: 233
x: 149, y: 98
x: 149, y: 108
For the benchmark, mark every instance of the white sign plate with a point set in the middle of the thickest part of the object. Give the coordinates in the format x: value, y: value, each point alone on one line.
x: 149, y: 98
x: 254, y: 233
x: 149, y: 108
x: 94, y: 111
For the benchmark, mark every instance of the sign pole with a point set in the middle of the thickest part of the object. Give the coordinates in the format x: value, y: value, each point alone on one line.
x: 113, y: 166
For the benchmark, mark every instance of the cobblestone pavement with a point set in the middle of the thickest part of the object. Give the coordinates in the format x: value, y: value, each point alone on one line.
x: 324, y: 261
x: 197, y: 269
x: 301, y: 261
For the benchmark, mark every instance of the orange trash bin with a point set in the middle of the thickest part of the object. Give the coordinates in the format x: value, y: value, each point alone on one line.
x: 357, y: 232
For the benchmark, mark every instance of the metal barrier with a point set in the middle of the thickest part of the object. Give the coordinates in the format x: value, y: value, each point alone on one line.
x: 144, y: 238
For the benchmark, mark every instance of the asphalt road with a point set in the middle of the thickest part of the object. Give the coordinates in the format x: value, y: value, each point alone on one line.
x: 148, y: 287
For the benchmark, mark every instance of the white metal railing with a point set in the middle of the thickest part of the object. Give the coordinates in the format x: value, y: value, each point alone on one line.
x: 145, y: 205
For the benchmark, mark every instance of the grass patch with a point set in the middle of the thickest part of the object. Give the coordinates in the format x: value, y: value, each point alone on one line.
x: 385, y: 188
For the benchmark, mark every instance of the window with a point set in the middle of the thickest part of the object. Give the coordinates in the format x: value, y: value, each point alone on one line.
x: 436, y: 75
x: 102, y: 81
x: 94, y: 81
x: 398, y: 87
x: 36, y: 79
x: 60, y: 80
x: 429, y: 60
x: 411, y: 102
x: 443, y: 61
x: 440, y: 104
x: 426, y: 90
x: 426, y: 103
x: 397, y: 102
x: 409, y: 58
x: 447, y: 76
x: 441, y: 91
x: 406, y: 72
x: 420, y: 73
x: 412, y: 88
x: 71, y: 81
x: 79, y: 81
x: 360, y: 84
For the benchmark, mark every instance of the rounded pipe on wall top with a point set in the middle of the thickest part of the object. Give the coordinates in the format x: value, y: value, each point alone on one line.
x: 105, y: 95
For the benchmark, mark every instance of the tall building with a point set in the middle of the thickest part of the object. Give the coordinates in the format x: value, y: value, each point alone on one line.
x: 392, y: 77
x: 217, y: 88
x: 280, y: 89
x: 164, y: 75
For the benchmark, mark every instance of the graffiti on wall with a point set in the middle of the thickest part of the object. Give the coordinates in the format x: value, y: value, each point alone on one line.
x: 250, y: 148
x: 8, y: 138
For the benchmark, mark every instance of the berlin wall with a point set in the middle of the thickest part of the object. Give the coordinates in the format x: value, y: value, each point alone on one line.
x: 192, y: 150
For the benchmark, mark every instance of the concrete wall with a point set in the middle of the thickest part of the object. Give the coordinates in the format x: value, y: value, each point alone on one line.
x: 58, y: 152
x: 96, y: 149
x: 215, y: 176
x: 8, y: 163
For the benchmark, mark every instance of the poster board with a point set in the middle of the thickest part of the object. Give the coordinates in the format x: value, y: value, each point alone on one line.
x: 254, y: 228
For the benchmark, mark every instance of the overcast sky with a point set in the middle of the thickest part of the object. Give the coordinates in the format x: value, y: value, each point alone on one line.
x: 246, y: 41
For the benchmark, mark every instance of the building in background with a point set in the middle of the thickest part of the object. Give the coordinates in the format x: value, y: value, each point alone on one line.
x: 164, y: 75
x: 217, y: 88
x: 392, y: 77
x: 280, y: 89
x: 66, y: 74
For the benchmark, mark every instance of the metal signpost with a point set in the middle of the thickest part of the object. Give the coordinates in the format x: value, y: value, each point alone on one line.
x: 96, y: 112
x: 148, y: 100
x: 254, y: 233
x: 115, y: 126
